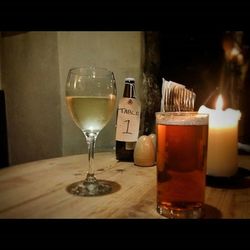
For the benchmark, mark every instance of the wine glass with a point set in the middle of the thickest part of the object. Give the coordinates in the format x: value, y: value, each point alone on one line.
x: 91, y: 98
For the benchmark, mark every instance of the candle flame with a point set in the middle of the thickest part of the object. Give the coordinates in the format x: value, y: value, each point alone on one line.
x: 219, y: 103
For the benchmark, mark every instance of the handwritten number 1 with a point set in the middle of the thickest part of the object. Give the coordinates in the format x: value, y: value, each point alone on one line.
x: 128, y: 122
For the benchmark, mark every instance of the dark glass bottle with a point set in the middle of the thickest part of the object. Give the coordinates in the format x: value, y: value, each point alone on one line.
x: 128, y: 122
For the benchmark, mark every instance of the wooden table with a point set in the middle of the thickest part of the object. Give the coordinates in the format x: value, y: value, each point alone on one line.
x: 38, y: 190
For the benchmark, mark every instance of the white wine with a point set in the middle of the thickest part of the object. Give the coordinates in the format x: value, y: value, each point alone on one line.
x: 91, y: 98
x: 91, y: 113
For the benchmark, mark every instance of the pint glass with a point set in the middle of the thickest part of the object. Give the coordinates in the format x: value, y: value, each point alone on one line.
x: 181, y: 163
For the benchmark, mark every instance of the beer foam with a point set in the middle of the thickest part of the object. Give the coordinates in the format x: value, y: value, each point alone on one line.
x: 176, y: 118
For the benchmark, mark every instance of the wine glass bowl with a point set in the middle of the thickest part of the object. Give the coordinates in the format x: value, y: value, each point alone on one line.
x: 90, y: 97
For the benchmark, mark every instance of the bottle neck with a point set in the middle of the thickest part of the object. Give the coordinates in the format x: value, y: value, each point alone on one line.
x: 129, y: 90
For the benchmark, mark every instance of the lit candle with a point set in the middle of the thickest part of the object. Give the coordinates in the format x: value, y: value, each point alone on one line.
x: 222, y: 154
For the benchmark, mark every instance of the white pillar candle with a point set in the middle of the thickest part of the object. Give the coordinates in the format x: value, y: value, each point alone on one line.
x: 222, y: 154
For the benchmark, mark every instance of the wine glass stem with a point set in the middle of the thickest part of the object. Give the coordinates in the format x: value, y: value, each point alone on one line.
x: 91, y: 156
x: 91, y: 139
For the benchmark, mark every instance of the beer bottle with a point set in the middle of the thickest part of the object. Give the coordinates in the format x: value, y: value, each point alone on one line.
x: 128, y: 122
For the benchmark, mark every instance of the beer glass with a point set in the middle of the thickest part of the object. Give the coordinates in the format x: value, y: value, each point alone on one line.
x: 181, y: 163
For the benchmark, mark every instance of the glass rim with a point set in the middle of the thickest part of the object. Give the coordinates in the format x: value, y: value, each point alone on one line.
x: 182, y: 118
x: 81, y: 70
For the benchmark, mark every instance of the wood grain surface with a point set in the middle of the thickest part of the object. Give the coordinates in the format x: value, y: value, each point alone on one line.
x: 38, y: 190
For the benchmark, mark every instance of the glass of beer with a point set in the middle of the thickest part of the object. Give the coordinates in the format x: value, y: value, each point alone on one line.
x: 181, y: 163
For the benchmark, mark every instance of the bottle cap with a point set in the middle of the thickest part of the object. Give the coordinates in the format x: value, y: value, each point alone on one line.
x: 130, y: 79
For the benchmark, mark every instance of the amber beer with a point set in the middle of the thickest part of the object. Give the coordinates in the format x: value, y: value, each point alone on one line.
x: 181, y: 163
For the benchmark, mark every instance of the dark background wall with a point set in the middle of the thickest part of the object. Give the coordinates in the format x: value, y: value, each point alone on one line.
x: 197, y: 60
x: 4, y: 161
x: 193, y: 59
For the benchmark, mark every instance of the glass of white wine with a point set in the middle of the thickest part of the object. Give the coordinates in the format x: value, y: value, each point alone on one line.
x: 91, y: 98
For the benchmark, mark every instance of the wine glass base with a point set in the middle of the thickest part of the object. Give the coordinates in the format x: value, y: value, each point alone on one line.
x: 100, y: 187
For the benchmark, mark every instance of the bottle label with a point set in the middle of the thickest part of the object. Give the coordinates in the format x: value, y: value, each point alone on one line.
x: 128, y: 120
x: 130, y: 145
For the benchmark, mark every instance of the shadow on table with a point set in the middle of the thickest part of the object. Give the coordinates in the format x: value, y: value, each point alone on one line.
x: 239, y: 181
x: 211, y: 212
